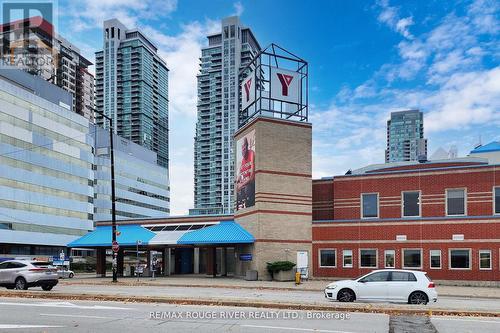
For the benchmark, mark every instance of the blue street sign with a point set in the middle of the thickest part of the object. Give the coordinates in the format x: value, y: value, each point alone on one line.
x: 246, y: 257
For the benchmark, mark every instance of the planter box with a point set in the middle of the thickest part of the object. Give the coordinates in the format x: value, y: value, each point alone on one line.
x: 285, y: 275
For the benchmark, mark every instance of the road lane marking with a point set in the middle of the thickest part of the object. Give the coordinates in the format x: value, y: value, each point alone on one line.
x: 294, y: 329
x: 68, y: 305
x: 77, y: 316
x: 9, y: 327
x: 472, y: 320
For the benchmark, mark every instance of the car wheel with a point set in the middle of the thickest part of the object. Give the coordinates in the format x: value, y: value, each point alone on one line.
x: 346, y: 295
x: 47, y: 287
x: 71, y: 275
x: 418, y: 297
x: 21, y: 284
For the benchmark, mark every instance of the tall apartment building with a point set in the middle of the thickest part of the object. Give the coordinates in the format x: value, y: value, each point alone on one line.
x: 46, y: 158
x: 33, y: 45
x: 139, y: 193
x: 405, y: 137
x: 218, y: 103
x: 132, y: 88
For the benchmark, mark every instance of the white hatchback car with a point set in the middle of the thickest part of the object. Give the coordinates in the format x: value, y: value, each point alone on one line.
x: 395, y: 285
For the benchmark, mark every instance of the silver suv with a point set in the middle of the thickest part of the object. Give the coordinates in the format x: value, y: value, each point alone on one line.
x: 23, y: 274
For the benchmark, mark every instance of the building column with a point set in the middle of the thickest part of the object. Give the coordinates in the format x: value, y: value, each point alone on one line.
x: 223, y: 262
x: 211, y: 260
x: 148, y: 263
x: 101, y: 262
x: 119, y: 261
x: 196, y: 260
x: 164, y: 263
x: 214, y: 261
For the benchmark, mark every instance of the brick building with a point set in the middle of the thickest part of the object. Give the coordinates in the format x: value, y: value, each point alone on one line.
x: 442, y: 217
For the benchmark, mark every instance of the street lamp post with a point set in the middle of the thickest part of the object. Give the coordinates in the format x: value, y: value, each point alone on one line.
x: 113, y: 206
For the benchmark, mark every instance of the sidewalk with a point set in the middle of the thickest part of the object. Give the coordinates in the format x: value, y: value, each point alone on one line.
x: 235, y: 283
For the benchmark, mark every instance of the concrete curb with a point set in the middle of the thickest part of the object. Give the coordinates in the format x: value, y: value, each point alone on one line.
x: 357, y: 307
x: 180, y: 285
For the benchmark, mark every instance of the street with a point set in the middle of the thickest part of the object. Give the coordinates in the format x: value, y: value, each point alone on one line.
x: 32, y: 315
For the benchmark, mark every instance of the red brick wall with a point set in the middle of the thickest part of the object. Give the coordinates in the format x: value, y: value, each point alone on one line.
x: 322, y: 198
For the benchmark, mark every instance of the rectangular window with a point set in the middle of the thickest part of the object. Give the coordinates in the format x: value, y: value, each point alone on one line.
x: 368, y: 258
x: 389, y: 258
x: 369, y: 204
x: 484, y: 259
x: 496, y: 199
x: 412, y: 258
x: 411, y: 204
x: 347, y: 258
x: 327, y: 258
x: 455, y: 202
x: 459, y: 259
x: 435, y: 259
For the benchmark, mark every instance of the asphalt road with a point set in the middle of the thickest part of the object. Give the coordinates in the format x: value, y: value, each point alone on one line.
x: 303, y: 297
x: 32, y: 315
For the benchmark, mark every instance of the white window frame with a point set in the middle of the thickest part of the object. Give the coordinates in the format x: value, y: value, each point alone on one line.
x: 385, y: 258
x: 403, y: 258
x: 378, y: 206
x: 479, y: 259
x: 494, y: 202
x: 343, y: 259
x: 376, y: 258
x: 440, y: 259
x: 465, y: 201
x: 403, y: 203
x: 470, y: 259
x: 319, y: 257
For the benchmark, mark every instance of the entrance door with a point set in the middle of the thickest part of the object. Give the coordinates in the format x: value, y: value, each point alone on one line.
x: 184, y: 261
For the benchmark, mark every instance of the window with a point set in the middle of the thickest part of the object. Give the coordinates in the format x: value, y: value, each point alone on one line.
x: 484, y: 259
x: 496, y: 200
x: 347, y: 255
x: 3, y: 265
x: 411, y: 204
x: 376, y: 277
x: 403, y: 276
x: 369, y: 203
x: 412, y: 258
x: 455, y: 202
x: 459, y: 259
x: 327, y: 258
x: 367, y: 258
x: 435, y: 259
x: 389, y: 258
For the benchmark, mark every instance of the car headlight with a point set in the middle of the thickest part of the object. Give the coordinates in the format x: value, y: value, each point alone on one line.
x: 331, y: 286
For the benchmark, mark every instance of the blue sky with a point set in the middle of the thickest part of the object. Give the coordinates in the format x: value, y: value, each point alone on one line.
x: 366, y: 59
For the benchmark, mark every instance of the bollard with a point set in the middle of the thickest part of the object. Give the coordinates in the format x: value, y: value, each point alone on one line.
x: 297, y: 278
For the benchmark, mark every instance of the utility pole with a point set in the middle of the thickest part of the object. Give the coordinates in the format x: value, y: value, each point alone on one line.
x: 113, y: 206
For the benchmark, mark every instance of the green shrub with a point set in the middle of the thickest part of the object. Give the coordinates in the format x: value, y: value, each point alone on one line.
x: 276, y: 266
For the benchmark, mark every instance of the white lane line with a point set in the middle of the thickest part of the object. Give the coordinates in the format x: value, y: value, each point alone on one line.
x: 72, y: 316
x: 9, y: 327
x: 294, y: 329
x: 68, y: 305
x: 472, y: 320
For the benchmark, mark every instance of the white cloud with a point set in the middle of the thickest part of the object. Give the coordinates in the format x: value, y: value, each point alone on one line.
x: 238, y: 8
x: 389, y: 15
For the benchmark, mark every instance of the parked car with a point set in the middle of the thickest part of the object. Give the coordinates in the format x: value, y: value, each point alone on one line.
x: 395, y: 285
x: 65, y: 273
x: 24, y: 274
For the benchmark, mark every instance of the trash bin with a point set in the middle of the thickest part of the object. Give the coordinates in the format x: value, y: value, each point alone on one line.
x: 251, y: 275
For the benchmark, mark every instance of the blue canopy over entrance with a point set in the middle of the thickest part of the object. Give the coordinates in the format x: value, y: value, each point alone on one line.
x: 101, y: 236
x: 226, y: 232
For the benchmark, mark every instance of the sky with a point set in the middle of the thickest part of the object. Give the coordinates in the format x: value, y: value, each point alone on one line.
x: 366, y: 59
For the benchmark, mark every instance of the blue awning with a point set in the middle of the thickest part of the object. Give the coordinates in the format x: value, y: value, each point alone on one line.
x: 101, y: 236
x: 226, y: 232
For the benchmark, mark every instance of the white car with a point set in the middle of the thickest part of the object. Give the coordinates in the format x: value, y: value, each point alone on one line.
x: 395, y: 285
x: 23, y: 274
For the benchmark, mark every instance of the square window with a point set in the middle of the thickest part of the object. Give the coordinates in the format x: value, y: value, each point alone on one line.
x: 435, y: 259
x: 455, y: 202
x: 389, y: 258
x: 327, y: 258
x: 369, y: 204
x: 411, y: 204
x: 368, y: 258
x: 460, y: 259
x: 412, y: 258
x: 347, y: 258
x: 484, y: 259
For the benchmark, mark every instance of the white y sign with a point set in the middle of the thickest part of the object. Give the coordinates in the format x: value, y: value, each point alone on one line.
x: 248, y: 91
x: 285, y: 85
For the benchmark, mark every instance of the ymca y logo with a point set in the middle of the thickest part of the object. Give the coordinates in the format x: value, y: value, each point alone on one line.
x: 248, y: 84
x: 285, y: 81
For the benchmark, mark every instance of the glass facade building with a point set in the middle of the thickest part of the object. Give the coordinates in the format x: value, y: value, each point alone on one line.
x: 218, y: 103
x: 46, y: 158
x: 139, y: 194
x: 132, y: 88
x: 405, y: 137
